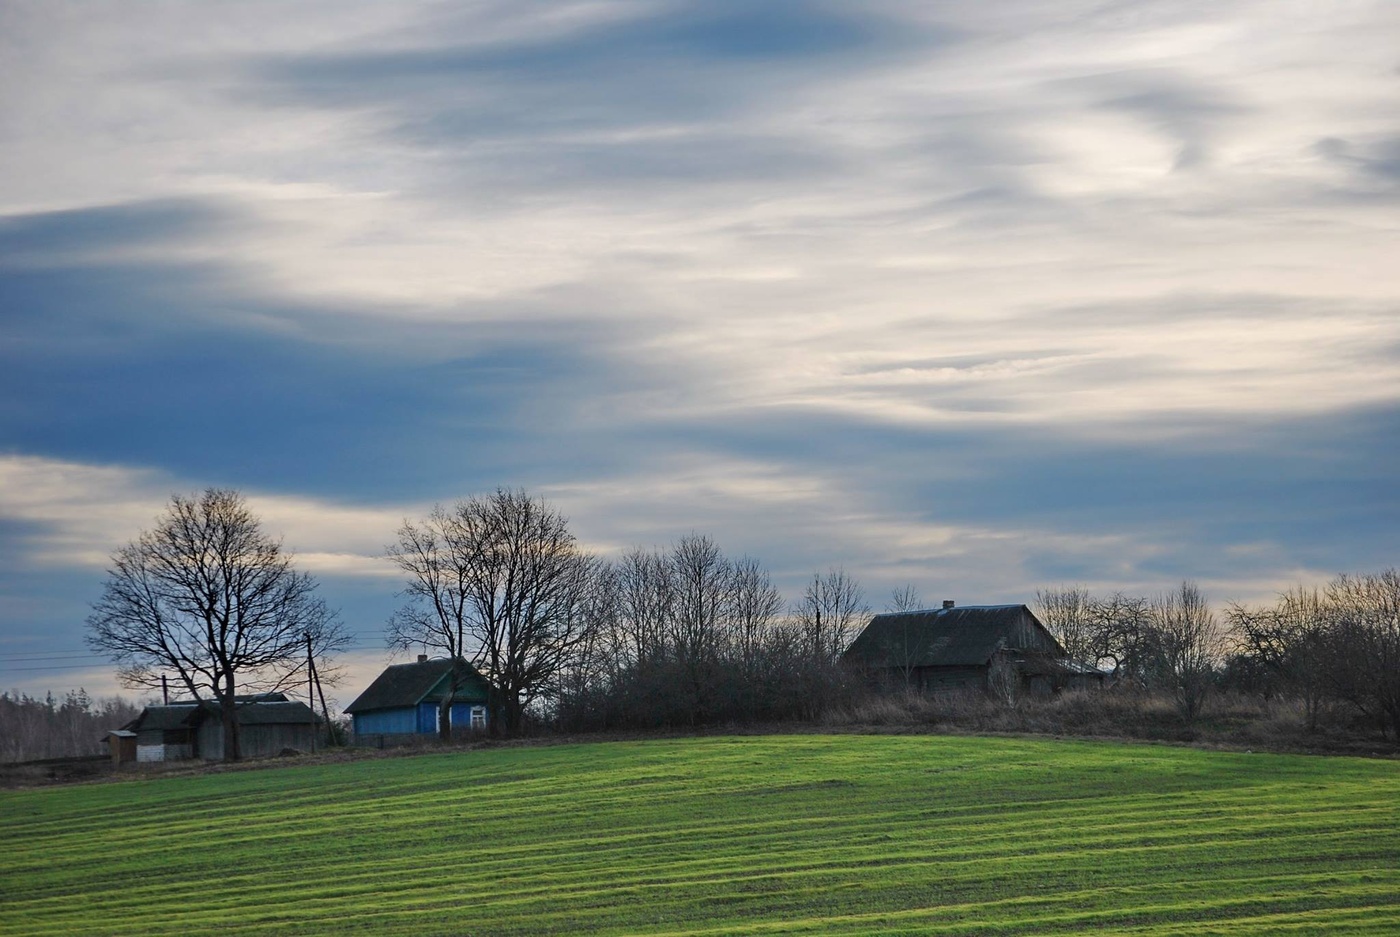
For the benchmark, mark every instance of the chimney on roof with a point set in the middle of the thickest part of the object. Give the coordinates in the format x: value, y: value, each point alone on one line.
x: 422, y: 658
x: 947, y: 603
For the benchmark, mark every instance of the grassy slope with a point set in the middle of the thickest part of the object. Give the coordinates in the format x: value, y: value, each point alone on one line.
x: 783, y: 835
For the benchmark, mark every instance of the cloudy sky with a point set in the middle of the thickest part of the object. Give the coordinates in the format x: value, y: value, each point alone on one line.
x: 981, y: 297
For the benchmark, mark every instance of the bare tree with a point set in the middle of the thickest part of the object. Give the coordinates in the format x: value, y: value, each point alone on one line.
x: 1289, y: 642
x: 499, y: 581
x: 703, y: 582
x: 903, y: 653
x: 1341, y: 643
x: 1361, y: 655
x: 1187, y: 640
x: 438, y: 555
x: 1067, y: 613
x: 208, y: 596
x: 904, y: 599
x: 646, y: 602
x: 1121, y: 633
x: 755, y: 607
x: 831, y: 610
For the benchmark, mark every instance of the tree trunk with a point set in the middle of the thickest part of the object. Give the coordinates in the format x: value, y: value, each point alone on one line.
x: 445, y: 718
x: 228, y: 712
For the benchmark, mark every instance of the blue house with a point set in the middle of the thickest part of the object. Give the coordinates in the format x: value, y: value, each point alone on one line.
x: 406, y: 699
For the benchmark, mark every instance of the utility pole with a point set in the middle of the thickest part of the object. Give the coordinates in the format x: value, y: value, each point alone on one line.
x: 311, y: 688
x: 165, y: 689
x: 315, y: 679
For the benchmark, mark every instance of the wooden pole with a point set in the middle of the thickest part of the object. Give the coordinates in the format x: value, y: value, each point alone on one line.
x: 325, y: 710
x: 311, y: 689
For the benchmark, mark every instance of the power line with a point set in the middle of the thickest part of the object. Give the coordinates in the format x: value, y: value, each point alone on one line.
x: 84, y: 662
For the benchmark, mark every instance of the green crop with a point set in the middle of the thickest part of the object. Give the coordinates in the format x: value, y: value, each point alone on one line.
x: 807, y: 834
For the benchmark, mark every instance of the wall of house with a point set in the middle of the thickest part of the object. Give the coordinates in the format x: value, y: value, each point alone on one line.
x: 462, y: 716
x: 403, y: 721
x: 427, y: 718
x: 420, y: 720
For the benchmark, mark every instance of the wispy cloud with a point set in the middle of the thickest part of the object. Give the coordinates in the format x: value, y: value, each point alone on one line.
x: 1001, y: 292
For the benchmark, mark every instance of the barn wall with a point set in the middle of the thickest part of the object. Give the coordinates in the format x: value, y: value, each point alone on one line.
x: 209, y: 741
x: 272, y: 739
x: 1032, y: 638
x: 255, y: 740
x: 951, y: 678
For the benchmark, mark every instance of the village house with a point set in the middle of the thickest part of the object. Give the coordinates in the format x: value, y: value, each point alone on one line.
x: 268, y: 723
x: 406, y: 700
x: 953, y: 648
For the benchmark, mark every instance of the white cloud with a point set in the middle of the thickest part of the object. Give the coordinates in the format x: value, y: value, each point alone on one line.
x: 1119, y: 221
x: 77, y: 515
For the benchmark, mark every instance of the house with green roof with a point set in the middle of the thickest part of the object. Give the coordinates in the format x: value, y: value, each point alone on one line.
x: 407, y: 700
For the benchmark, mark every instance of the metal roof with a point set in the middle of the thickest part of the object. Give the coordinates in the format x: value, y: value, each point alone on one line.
x: 942, y: 637
x: 420, y: 682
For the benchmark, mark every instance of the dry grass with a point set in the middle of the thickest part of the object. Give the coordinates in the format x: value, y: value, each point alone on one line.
x: 1228, y: 720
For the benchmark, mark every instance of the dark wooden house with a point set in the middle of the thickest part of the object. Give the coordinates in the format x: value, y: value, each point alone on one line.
x: 952, y: 648
x: 267, y: 724
x: 406, y: 700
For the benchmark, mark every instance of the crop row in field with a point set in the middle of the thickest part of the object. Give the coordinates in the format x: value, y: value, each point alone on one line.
x: 784, y: 835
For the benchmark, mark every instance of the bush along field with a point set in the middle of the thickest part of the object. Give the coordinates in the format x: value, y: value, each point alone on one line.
x: 811, y: 834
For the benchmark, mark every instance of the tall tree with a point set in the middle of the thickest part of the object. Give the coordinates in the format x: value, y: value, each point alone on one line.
x: 207, y: 595
x: 499, y: 581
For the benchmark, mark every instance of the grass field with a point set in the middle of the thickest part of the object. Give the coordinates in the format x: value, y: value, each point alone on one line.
x: 809, y: 834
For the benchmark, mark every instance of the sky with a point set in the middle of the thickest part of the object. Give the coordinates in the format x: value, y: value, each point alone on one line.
x: 982, y: 298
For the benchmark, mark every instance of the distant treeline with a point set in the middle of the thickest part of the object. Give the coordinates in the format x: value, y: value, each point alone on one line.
x: 689, y: 636
x: 47, y: 728
x: 1333, y: 651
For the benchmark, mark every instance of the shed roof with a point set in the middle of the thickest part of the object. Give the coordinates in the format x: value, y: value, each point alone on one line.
x: 187, y: 715
x: 941, y: 637
x: 422, y: 681
x: 173, y: 716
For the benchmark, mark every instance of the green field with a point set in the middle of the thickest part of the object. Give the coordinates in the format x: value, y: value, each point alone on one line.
x: 806, y: 834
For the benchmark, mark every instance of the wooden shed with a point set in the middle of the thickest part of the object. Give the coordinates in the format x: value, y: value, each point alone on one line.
x: 268, y: 723
x: 122, y: 744
x: 951, y: 648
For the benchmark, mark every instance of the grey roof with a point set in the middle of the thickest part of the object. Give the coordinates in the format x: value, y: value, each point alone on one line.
x: 175, y: 716
x: 267, y: 714
x: 945, y: 637
x: 186, y: 715
x: 420, y: 682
